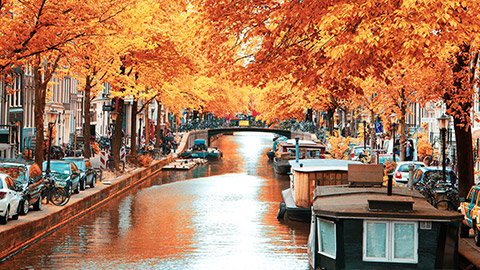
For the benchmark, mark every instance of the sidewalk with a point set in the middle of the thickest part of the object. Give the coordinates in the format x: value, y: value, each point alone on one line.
x: 183, y: 137
x: 18, y: 234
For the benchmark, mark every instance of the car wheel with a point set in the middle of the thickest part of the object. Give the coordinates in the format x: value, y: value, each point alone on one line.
x: 77, y: 189
x: 476, y: 236
x: 24, y: 207
x: 37, y: 206
x: 4, y: 219
x: 94, y: 179
x: 15, y: 217
x: 82, y: 184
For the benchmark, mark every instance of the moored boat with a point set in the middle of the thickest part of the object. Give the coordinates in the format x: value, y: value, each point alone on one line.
x: 361, y: 227
x: 200, y: 150
x: 305, y: 175
x: 287, y: 150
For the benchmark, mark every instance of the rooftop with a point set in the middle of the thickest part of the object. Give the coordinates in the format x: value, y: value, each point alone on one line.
x: 313, y: 165
x: 352, y: 202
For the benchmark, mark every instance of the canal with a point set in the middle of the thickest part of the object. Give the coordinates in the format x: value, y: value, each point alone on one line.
x: 221, y: 215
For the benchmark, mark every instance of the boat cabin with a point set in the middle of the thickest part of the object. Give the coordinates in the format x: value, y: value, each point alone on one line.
x: 308, y: 174
x: 360, y: 227
x: 286, y: 150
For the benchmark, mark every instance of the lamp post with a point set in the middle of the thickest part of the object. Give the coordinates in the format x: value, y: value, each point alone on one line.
x: 442, y: 123
x: 390, y: 176
x: 114, y: 115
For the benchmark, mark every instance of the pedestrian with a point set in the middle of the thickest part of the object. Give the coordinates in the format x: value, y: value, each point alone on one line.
x: 171, y: 139
x: 408, y: 151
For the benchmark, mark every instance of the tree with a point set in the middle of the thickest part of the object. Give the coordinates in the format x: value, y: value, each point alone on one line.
x: 326, y: 42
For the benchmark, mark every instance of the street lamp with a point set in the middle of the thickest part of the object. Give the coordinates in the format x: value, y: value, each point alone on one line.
x: 442, y: 123
x: 364, y: 120
x: 114, y: 115
x: 390, y: 176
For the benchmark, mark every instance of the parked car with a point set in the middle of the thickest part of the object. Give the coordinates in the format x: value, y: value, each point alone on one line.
x: 66, y: 173
x: 10, y: 197
x: 401, y: 173
x: 87, y: 173
x: 424, y: 174
x: 357, y: 150
x: 383, y: 158
x: 470, y: 209
x: 28, y: 176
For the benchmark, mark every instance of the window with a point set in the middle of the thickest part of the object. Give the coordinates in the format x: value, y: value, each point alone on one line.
x: 390, y: 241
x: 327, y: 244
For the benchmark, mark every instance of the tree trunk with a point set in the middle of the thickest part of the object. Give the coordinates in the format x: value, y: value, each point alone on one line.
x: 40, y: 95
x: 86, y: 116
x: 117, y: 140
x: 330, y: 120
x: 403, y: 126
x: 147, y: 127
x: 158, y: 132
x: 465, y: 151
x: 133, y: 130
x: 458, y: 107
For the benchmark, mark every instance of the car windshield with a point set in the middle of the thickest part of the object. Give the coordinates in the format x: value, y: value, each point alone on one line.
x: 436, y: 175
x: 79, y: 163
x: 404, y: 167
x: 17, y: 173
x: 383, y: 159
x: 58, y: 167
x: 359, y: 150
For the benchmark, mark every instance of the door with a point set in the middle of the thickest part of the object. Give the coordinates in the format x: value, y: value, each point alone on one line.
x: 14, y: 196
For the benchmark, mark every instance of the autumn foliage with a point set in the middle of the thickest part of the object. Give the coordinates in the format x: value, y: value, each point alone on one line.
x: 339, y: 147
x: 145, y: 160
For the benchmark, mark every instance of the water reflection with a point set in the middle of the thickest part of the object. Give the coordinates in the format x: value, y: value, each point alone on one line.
x: 218, y: 216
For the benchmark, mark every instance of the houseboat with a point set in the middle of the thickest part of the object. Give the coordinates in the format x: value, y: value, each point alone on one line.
x: 359, y: 226
x: 306, y: 174
x: 200, y: 150
x: 287, y: 150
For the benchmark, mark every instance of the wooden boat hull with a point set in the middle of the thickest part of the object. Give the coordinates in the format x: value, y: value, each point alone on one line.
x: 270, y: 155
x: 281, y: 166
x: 294, y: 212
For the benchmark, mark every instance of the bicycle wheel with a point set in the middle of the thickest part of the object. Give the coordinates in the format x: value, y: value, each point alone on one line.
x: 156, y: 154
x: 58, y: 196
x: 445, y: 205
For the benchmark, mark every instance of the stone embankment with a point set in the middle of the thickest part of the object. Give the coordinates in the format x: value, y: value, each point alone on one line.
x: 18, y: 234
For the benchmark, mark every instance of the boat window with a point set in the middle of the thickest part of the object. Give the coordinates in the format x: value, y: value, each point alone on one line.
x: 390, y: 241
x: 327, y: 243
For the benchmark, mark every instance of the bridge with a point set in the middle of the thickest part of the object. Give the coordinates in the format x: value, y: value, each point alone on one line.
x: 207, y: 134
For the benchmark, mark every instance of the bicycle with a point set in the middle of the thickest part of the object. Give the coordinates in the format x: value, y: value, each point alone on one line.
x: 452, y: 201
x: 56, y: 195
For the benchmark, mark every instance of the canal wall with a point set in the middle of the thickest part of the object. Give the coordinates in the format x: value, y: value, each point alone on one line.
x: 37, y: 224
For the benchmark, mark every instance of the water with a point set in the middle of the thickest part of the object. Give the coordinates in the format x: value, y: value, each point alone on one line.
x: 218, y: 216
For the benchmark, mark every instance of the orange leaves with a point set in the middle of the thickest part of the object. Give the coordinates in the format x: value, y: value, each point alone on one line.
x: 339, y: 147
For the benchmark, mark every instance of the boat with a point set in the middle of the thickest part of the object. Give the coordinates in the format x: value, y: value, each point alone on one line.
x: 276, y: 140
x: 200, y: 150
x: 287, y: 150
x: 184, y: 164
x: 305, y: 175
x: 361, y: 226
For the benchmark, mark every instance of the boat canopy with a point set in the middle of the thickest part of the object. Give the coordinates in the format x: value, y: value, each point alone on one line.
x: 199, y: 142
x: 317, y: 165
